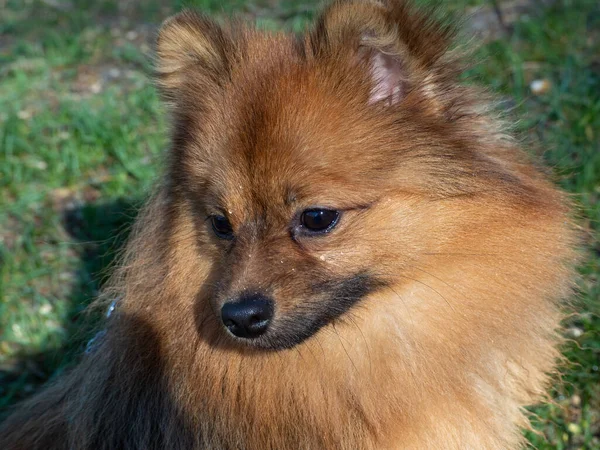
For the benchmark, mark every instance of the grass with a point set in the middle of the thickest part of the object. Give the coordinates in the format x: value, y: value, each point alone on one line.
x: 81, y: 127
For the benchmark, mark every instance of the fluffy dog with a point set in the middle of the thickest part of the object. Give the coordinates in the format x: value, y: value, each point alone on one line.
x: 346, y: 252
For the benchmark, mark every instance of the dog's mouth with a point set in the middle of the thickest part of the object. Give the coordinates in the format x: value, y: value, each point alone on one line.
x: 331, y: 300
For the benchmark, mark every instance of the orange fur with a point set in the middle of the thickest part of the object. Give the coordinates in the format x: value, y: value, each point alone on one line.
x: 472, y: 246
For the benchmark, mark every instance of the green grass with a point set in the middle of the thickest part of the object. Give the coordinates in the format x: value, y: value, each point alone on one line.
x: 81, y: 127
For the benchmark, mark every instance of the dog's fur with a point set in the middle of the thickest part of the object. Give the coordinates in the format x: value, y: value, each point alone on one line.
x: 425, y: 320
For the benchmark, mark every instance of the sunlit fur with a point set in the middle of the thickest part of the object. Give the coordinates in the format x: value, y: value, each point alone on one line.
x: 470, y: 246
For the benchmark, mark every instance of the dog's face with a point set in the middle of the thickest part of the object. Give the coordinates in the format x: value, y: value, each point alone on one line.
x: 291, y: 207
x: 315, y: 169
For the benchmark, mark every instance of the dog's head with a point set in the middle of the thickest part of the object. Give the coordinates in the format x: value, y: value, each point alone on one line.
x: 317, y: 169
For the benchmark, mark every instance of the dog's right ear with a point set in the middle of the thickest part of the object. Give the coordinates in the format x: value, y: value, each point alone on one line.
x: 193, y: 52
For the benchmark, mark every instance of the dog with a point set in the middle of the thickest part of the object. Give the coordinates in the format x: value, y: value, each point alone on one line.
x: 346, y: 251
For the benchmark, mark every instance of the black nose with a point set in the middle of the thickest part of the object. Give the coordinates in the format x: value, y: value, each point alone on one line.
x: 248, y: 317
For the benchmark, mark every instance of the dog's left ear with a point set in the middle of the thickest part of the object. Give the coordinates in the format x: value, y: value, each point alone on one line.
x: 402, y: 49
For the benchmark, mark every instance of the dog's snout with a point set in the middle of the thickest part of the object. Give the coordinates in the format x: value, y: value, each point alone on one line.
x: 249, y: 316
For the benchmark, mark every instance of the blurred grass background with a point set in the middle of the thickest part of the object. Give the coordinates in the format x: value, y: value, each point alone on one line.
x: 81, y: 126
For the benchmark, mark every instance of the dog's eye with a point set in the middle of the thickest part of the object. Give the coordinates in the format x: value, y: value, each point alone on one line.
x: 319, y: 220
x: 222, y: 227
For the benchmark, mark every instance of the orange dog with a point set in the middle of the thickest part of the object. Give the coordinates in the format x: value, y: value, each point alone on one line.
x: 346, y: 253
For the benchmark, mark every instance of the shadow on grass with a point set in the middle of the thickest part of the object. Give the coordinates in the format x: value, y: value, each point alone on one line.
x: 99, y: 231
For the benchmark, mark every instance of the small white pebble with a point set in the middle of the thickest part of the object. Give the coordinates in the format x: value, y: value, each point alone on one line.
x: 46, y: 309
x: 96, y: 87
x: 24, y: 114
x: 575, y: 332
x: 539, y: 87
x: 16, y: 328
x: 41, y: 165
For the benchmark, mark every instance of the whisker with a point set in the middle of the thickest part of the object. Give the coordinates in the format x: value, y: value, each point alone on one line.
x: 405, y: 305
x: 344, y: 347
x: 430, y: 287
x: 351, y: 318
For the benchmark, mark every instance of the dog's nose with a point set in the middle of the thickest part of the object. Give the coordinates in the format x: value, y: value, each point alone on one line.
x: 249, y: 316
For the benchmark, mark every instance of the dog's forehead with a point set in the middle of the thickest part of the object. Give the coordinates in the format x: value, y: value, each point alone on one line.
x: 285, y: 132
x: 288, y: 154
